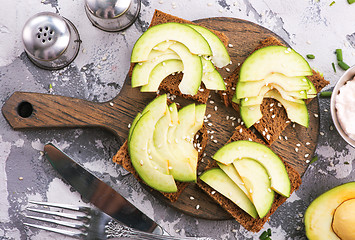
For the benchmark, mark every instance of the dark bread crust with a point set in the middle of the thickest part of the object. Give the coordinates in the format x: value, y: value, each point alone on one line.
x: 242, y: 217
x: 171, y: 83
x: 273, y: 125
x: 122, y: 158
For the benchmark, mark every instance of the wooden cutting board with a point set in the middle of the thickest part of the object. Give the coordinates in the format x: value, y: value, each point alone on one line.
x: 33, y: 110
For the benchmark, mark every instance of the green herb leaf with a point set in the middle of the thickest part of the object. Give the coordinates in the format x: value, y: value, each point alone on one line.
x: 325, y: 94
x: 339, y: 53
x: 269, y: 232
x: 351, y: 1
x: 347, y: 163
x: 50, y: 86
x: 310, y: 56
x: 315, y: 158
x: 264, y: 235
x: 334, y: 67
x: 332, y: 3
x: 343, y: 65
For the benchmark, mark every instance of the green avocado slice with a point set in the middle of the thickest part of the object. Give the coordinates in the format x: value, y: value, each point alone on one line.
x: 257, y: 183
x: 273, y: 59
x: 264, y: 155
x: 220, y: 55
x: 169, y: 31
x: 219, y: 181
x: 141, y: 162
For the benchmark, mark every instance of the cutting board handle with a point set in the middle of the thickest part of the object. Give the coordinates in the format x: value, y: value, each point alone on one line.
x: 37, y: 110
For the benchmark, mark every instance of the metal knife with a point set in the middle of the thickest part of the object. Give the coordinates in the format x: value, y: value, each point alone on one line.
x: 99, y: 193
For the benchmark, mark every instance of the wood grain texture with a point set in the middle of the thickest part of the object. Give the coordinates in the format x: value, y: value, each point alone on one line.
x: 115, y: 115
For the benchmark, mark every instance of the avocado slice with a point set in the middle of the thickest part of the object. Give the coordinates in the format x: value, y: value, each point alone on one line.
x: 273, y: 59
x: 192, y: 77
x: 169, y: 31
x: 219, y: 181
x: 161, y: 71
x: 318, y: 218
x: 234, y: 176
x: 257, y: 183
x: 264, y: 155
x: 296, y: 111
x: 220, y: 55
x: 250, y: 114
x: 290, y: 84
x: 182, y: 166
x: 141, y: 162
x: 213, y: 80
x: 142, y: 71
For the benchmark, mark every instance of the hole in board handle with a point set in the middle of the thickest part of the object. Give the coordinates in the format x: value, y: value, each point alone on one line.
x: 25, y: 109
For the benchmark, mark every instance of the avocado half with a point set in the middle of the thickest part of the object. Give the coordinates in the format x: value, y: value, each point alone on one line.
x: 319, y: 216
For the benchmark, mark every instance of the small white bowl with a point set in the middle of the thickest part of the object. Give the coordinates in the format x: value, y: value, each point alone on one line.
x: 348, y: 75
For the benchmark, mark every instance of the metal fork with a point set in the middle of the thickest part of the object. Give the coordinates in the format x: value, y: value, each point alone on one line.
x: 89, y: 223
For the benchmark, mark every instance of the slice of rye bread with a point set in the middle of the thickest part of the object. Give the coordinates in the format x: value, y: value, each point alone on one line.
x: 122, y: 158
x: 171, y: 83
x: 248, y: 222
x: 273, y: 122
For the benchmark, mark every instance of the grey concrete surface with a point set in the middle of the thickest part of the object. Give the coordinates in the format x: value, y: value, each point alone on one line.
x: 97, y: 74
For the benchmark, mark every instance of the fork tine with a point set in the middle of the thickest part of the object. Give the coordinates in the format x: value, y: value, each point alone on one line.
x: 62, y: 205
x: 59, y: 214
x: 61, y: 231
x: 59, y: 222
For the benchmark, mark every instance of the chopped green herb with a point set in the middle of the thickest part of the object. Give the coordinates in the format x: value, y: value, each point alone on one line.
x: 334, y: 67
x: 351, y: 1
x: 331, y: 4
x: 339, y: 53
x: 310, y: 56
x: 50, y: 86
x: 347, y: 163
x: 343, y: 65
x: 265, y: 235
x: 315, y: 158
x: 325, y: 94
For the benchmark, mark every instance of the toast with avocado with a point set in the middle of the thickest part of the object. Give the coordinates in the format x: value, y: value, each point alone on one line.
x: 175, y: 82
x: 274, y: 118
x: 246, y: 215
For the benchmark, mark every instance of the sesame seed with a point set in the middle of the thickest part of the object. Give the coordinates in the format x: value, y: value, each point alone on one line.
x: 209, y: 4
x: 306, y: 155
x: 210, y: 124
x: 170, y: 167
x: 212, y: 102
x: 288, y: 121
x: 221, y: 10
x: 321, y: 133
x: 227, y: 117
x: 296, y: 149
x: 264, y: 133
x: 271, y: 109
x: 331, y: 128
x: 201, y: 90
x: 20, y: 178
x: 141, y: 162
x: 228, y: 70
x: 268, y: 137
x: 192, y: 198
x: 241, y: 130
x: 197, y: 206
x: 211, y: 136
x: 293, y: 125
x: 215, y: 108
x: 279, y: 105
x: 271, y: 105
x: 213, y: 192
x: 298, y: 145
x: 325, y: 110
x: 308, y: 143
x: 273, y: 116
x: 265, y: 129
x: 233, y: 124
x: 280, y: 137
x: 269, y: 189
x: 129, y: 125
x: 307, y: 161
x: 214, y: 140
x: 250, y: 139
x: 286, y: 138
x: 315, y: 115
x: 111, y: 104
x: 230, y: 45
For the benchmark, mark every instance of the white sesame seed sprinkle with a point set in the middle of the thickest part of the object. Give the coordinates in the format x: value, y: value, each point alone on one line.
x: 197, y: 206
x: 306, y: 155
x: 315, y: 115
x: 230, y: 45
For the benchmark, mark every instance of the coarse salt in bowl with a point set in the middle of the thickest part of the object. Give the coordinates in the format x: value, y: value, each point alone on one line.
x: 342, y: 105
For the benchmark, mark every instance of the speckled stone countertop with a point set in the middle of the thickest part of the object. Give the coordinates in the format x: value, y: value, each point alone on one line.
x: 97, y: 74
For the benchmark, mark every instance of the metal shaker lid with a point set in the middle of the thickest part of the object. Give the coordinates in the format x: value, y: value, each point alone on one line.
x: 108, y: 9
x: 46, y: 36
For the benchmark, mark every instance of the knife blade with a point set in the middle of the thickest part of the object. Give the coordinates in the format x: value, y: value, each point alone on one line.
x: 99, y: 193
